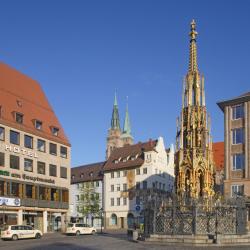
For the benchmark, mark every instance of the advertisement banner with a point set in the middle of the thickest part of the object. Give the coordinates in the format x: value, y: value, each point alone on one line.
x: 12, y: 202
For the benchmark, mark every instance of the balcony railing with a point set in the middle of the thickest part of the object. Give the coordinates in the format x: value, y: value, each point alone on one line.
x: 44, y: 204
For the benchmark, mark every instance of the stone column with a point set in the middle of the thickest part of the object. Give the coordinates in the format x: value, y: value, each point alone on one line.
x: 63, y: 222
x: 45, y: 221
x: 20, y: 217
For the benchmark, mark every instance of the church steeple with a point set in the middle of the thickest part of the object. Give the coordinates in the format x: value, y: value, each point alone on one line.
x: 114, y: 134
x: 193, y: 67
x: 115, y: 120
x: 126, y: 134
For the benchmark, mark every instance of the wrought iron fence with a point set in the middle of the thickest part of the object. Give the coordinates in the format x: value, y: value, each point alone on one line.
x: 165, y: 215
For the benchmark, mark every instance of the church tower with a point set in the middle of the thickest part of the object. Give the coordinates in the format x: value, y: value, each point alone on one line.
x: 126, y: 134
x: 114, y: 134
x: 194, y: 167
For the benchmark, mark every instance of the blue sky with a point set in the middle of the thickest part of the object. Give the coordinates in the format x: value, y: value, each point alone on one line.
x: 82, y: 51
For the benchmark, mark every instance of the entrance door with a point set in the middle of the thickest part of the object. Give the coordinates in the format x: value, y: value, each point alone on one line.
x: 122, y: 222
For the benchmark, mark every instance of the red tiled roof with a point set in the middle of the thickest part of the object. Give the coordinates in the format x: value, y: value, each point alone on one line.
x: 90, y: 172
x: 128, y: 152
x: 21, y: 94
x: 218, y: 153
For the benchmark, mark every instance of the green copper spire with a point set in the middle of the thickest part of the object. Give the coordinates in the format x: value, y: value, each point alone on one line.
x: 115, y: 121
x: 127, y: 127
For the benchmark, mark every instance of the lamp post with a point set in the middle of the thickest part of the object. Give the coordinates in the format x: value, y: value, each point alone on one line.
x: 101, y: 213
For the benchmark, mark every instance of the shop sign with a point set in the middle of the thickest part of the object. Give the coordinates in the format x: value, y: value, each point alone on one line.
x: 19, y: 150
x: 12, y: 202
x: 27, y: 177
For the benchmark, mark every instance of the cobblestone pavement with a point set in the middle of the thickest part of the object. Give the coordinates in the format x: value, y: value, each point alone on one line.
x: 107, y: 241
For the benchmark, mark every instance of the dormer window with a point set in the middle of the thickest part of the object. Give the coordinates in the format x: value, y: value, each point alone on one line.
x: 72, y: 177
x: 38, y: 124
x: 81, y: 175
x: 91, y: 174
x: 19, y: 118
x: 55, y: 131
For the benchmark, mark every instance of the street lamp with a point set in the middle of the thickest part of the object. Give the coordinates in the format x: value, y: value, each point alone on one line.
x: 101, y: 213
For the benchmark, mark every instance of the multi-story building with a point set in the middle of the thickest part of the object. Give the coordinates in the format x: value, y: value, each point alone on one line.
x: 134, y: 167
x: 237, y: 145
x: 34, y: 156
x: 86, y: 194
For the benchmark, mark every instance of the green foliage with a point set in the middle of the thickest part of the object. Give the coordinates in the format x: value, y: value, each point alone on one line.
x: 89, y: 202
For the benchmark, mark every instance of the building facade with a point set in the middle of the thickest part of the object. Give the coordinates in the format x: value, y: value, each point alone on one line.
x: 86, y: 199
x: 237, y: 145
x: 194, y: 156
x: 130, y: 168
x: 34, y: 156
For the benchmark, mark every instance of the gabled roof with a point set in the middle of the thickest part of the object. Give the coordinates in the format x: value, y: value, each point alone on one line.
x: 21, y: 94
x: 129, y: 155
x: 234, y: 101
x: 218, y: 153
x: 89, y: 172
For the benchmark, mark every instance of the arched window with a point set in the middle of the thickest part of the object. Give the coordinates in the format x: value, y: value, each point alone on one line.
x: 113, y: 220
x: 130, y: 220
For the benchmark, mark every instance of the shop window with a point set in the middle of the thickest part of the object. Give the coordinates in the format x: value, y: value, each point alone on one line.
x: 52, y: 149
x: 40, y: 145
x: 2, y: 134
x: 14, y: 161
x: 63, y: 152
x: 14, y: 191
x: 28, y: 141
x: 40, y: 167
x: 2, y: 159
x: 14, y: 137
x: 28, y: 191
x: 28, y: 165
x: 52, y: 170
x: 42, y: 193
x: 63, y: 172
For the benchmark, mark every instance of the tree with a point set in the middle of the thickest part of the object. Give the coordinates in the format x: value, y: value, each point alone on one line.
x: 89, y: 200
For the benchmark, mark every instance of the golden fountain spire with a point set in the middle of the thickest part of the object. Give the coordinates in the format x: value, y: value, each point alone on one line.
x: 193, y: 67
